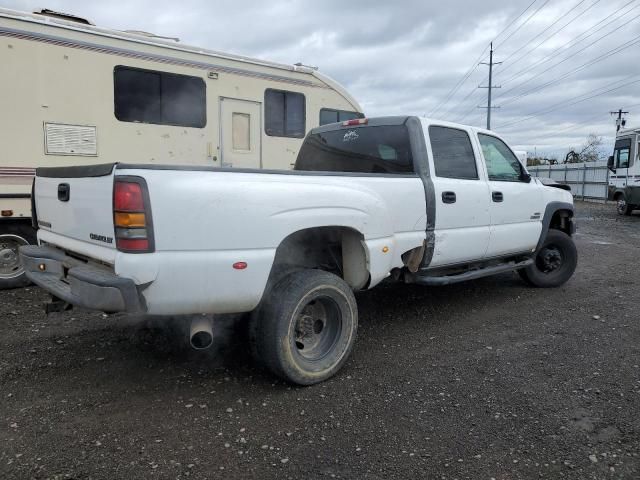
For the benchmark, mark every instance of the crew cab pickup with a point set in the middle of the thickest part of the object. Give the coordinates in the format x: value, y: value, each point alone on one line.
x: 406, y: 199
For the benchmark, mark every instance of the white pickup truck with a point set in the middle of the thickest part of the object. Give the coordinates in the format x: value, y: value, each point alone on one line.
x: 401, y: 198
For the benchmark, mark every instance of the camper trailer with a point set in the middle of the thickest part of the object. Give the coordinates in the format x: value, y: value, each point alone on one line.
x: 624, y: 180
x: 74, y: 93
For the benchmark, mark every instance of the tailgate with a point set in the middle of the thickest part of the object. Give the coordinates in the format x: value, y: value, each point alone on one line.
x: 76, y: 202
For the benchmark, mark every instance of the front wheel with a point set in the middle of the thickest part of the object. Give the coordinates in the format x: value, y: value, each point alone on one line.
x: 305, y: 330
x: 12, y: 237
x: 623, y: 208
x: 554, y: 263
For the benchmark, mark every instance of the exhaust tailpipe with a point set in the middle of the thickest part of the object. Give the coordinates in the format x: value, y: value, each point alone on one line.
x: 201, y: 333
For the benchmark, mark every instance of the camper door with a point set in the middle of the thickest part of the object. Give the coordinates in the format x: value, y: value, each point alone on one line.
x: 240, y: 128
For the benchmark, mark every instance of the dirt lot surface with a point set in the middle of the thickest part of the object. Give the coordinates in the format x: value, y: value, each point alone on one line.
x: 488, y: 379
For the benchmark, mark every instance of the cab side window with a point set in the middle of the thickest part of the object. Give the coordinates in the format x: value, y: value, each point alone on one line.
x: 622, y: 159
x: 452, y: 153
x: 502, y: 164
x: 622, y: 153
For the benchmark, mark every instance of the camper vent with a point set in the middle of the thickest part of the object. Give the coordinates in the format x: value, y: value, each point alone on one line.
x: 63, y: 16
x: 61, y: 139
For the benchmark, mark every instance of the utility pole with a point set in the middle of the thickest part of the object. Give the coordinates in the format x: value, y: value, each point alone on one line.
x: 491, y: 86
x: 620, y: 122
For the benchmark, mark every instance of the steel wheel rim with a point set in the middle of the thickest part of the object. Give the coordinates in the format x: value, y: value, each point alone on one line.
x: 549, y: 259
x: 317, y: 328
x: 9, y: 259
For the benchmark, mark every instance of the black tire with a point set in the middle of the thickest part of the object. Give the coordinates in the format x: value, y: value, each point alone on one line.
x: 306, y: 327
x: 622, y: 207
x: 12, y: 236
x: 554, y: 263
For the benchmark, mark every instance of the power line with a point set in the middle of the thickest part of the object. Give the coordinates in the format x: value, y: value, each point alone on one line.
x: 522, y: 24
x: 563, y: 48
x: 473, y: 90
x: 514, y: 20
x: 570, y: 102
x: 572, y: 43
x: 620, y: 122
x: 513, y: 53
x: 511, y: 64
x: 457, y: 86
x: 578, y: 125
x: 570, y: 57
x: 476, y: 63
x: 584, y: 123
x: 608, y: 54
x: 469, y: 112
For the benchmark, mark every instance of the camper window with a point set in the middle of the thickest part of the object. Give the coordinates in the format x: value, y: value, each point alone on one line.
x: 284, y: 113
x: 147, y: 96
x: 328, y: 115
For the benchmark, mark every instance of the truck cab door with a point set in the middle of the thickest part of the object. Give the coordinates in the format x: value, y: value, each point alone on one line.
x: 516, y: 202
x: 461, y: 195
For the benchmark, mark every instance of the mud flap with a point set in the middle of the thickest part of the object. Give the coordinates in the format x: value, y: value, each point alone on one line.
x: 413, y: 258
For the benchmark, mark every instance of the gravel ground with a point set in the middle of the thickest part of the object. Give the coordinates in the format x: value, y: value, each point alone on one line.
x: 487, y: 379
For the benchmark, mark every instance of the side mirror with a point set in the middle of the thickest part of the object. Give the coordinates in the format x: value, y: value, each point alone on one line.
x: 526, y: 177
x: 610, y: 164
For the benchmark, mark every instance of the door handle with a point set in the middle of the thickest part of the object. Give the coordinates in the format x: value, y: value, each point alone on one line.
x: 497, y: 196
x: 64, y: 192
x: 448, y: 197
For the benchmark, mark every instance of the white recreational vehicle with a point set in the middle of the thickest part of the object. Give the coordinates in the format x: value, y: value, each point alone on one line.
x: 624, y: 180
x: 74, y: 93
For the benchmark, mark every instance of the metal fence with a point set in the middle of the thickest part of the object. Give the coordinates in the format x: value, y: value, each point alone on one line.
x: 588, y: 181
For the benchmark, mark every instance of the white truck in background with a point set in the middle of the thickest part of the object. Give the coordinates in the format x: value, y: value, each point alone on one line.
x: 624, y: 180
x: 403, y: 198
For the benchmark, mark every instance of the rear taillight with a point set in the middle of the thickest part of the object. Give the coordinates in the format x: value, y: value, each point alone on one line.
x: 132, y: 215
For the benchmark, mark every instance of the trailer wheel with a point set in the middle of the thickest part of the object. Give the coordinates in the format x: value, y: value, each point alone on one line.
x: 622, y: 207
x: 305, y: 330
x: 12, y: 237
x: 555, y: 262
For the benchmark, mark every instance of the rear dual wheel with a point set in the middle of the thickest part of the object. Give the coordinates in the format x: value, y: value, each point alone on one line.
x: 305, y: 330
x: 12, y: 237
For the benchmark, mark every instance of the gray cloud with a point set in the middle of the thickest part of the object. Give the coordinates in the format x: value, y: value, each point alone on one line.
x: 404, y: 57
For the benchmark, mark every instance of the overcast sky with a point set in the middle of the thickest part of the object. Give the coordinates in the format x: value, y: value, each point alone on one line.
x: 406, y: 57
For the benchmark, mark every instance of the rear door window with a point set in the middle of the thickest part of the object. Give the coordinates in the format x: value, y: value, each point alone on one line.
x: 453, y: 155
x: 378, y: 149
